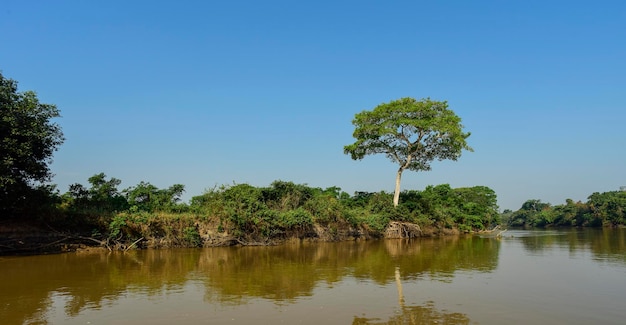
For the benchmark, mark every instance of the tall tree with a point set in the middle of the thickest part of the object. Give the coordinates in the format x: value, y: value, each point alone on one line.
x: 411, y: 133
x: 28, y: 139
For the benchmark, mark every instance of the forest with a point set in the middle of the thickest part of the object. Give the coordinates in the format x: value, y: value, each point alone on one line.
x: 601, y: 209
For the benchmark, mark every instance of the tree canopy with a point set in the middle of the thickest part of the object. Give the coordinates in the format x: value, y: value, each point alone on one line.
x: 412, y: 133
x: 601, y: 209
x: 28, y: 138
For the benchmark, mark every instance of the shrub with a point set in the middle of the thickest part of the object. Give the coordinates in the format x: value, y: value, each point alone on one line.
x: 191, y: 236
x: 298, y: 219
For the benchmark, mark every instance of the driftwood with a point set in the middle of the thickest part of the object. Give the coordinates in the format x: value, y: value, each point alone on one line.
x: 233, y: 241
x: 133, y: 244
x: 496, y: 232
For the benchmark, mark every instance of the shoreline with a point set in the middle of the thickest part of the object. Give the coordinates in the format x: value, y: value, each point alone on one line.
x: 23, y: 239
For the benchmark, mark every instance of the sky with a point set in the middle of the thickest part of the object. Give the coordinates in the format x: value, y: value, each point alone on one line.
x: 210, y: 93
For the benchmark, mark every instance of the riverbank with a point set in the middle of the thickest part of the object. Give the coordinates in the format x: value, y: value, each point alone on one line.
x: 32, y: 238
x: 239, y: 214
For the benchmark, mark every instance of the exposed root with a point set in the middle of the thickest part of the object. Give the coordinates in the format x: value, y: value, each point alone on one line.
x: 398, y: 229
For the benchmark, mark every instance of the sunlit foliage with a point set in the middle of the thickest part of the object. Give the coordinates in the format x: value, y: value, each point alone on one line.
x: 601, y: 209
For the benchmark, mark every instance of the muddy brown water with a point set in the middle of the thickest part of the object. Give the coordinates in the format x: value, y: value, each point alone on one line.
x: 526, y: 277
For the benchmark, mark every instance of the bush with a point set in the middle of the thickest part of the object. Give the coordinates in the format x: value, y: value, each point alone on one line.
x: 295, y: 219
x: 191, y: 236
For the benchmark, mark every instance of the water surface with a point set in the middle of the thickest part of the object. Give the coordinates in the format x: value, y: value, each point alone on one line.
x: 547, y: 277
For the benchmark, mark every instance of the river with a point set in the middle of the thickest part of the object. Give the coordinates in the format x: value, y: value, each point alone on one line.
x: 525, y: 277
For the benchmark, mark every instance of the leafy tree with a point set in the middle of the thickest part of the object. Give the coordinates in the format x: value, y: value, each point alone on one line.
x: 478, y: 205
x: 570, y: 214
x: 534, y: 205
x: 411, y: 133
x: 440, y: 204
x: 529, y: 215
x: 102, y: 197
x: 610, y: 207
x: 149, y: 198
x: 601, y: 209
x: 28, y: 139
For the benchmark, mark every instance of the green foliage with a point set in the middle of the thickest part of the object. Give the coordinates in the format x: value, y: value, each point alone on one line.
x: 410, y: 133
x: 468, y: 208
x: 478, y: 207
x: 283, y: 196
x: 505, y: 216
x: 242, y: 206
x: 529, y: 215
x: 102, y: 198
x: 28, y: 138
x: 472, y: 208
x: 116, y: 226
x: 325, y: 209
x: 298, y: 218
x: 210, y: 203
x: 147, y: 197
x: 258, y: 214
x: 377, y: 222
x: 380, y: 203
x: 245, y: 210
x: 192, y: 237
x: 608, y: 208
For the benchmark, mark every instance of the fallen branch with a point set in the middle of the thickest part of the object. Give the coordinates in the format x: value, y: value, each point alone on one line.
x: 133, y: 244
x: 101, y: 242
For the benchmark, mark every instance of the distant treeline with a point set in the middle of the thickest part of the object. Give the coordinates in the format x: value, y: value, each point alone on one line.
x: 601, y: 209
x: 254, y: 213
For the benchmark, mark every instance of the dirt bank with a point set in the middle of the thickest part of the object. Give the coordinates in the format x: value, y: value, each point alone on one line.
x: 17, y: 238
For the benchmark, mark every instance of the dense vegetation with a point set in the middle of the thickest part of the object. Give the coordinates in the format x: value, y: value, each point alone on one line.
x: 28, y: 139
x: 242, y: 213
x: 601, y: 209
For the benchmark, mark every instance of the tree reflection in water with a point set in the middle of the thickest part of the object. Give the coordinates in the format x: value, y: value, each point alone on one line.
x: 414, y: 315
x: 34, y: 286
x: 417, y: 315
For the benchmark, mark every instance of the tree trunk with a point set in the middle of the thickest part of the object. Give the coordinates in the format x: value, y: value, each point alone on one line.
x: 396, y: 194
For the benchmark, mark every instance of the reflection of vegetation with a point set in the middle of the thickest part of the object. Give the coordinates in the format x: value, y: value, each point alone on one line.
x: 281, y: 274
x: 86, y: 280
x: 414, y: 315
x: 232, y: 275
x: 538, y: 240
x: 289, y: 271
x: 437, y: 257
x: 610, y: 248
x: 605, y: 244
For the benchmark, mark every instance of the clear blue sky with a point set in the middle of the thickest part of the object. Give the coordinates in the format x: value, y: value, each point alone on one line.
x: 205, y: 93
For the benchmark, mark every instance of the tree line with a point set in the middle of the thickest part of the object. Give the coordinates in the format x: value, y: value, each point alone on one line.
x: 601, y: 209
x: 260, y: 213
